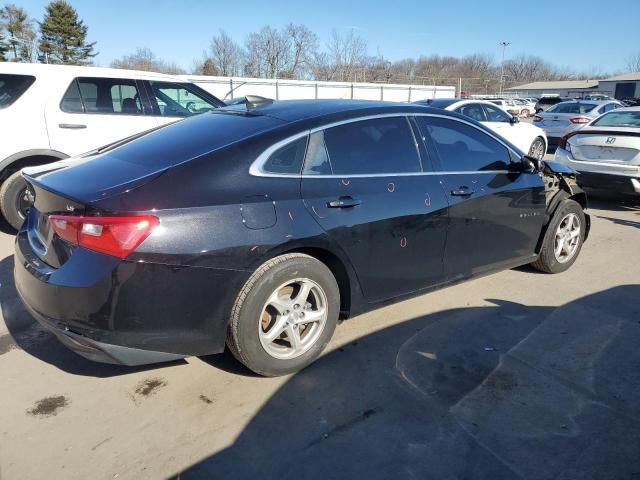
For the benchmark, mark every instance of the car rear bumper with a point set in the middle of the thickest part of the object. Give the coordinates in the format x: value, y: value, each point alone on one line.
x: 127, y: 312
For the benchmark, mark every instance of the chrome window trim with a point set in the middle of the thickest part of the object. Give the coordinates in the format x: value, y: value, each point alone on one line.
x: 256, y: 168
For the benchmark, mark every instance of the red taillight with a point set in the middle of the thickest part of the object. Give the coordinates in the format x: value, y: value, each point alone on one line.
x: 537, y: 118
x: 116, y: 236
x: 580, y: 120
x: 563, y: 141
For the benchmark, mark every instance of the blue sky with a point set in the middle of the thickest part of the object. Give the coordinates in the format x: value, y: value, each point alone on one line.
x: 581, y: 35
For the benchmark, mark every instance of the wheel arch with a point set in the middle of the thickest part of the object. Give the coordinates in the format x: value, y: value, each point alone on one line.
x: 350, y: 294
x: 28, y: 158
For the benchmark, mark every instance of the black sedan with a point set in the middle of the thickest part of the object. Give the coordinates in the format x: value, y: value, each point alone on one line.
x: 259, y: 225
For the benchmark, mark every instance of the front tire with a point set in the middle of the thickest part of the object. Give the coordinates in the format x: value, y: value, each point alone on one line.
x: 285, y: 315
x: 563, y: 239
x: 538, y: 148
x: 14, y: 200
x: 524, y: 113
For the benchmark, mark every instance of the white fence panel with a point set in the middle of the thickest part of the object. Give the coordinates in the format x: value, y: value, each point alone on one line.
x: 233, y: 87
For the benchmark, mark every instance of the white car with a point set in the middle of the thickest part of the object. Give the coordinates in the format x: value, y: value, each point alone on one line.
x: 606, y: 152
x: 52, y: 112
x: 527, y: 137
x: 528, y: 107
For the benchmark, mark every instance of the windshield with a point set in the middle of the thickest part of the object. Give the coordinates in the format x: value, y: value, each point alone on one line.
x: 619, y: 119
x: 12, y: 87
x: 572, y: 107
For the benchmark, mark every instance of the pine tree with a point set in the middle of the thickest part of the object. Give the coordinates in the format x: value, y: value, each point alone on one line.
x: 4, y: 48
x: 21, y: 35
x: 63, y: 36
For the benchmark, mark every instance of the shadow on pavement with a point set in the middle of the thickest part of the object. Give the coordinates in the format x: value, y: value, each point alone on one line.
x: 496, y: 392
x: 611, y: 201
x: 621, y: 221
x: 27, y: 334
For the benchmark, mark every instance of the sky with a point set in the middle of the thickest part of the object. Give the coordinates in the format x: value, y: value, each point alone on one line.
x: 585, y: 35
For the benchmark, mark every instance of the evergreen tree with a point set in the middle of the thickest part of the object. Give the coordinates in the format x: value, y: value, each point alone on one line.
x: 4, y: 48
x: 63, y: 36
x: 21, y: 33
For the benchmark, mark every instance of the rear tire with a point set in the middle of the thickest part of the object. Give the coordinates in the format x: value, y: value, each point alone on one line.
x: 285, y: 315
x: 563, y: 239
x: 12, y: 202
x: 538, y: 148
x: 524, y: 113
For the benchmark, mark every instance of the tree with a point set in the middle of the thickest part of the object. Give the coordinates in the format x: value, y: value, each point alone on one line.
x: 4, y: 47
x: 145, y: 59
x: 21, y: 32
x: 304, y: 45
x: 225, y: 54
x: 64, y: 36
x: 205, y: 67
x: 346, y: 53
x: 268, y: 53
x: 633, y: 62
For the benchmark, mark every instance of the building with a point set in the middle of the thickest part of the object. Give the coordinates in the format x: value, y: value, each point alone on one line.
x: 563, y: 88
x: 620, y: 87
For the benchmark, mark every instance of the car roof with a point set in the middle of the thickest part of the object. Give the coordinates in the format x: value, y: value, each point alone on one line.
x: 438, y: 102
x: 296, y: 110
x: 37, y: 69
x: 593, y: 102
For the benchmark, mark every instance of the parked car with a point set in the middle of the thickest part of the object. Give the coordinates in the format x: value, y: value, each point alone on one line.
x: 606, y: 152
x: 508, y: 106
x: 51, y: 112
x: 547, y: 102
x: 525, y: 136
x: 258, y: 227
x: 528, y: 108
x: 565, y: 117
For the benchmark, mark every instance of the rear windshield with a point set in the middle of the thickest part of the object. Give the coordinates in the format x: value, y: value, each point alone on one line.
x: 549, y: 100
x: 572, y: 107
x: 619, y: 119
x: 188, y: 139
x: 12, y: 87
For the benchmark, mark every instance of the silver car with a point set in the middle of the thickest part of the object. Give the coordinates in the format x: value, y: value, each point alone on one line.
x: 566, y: 117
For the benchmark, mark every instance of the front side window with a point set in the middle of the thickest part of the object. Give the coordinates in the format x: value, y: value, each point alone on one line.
x: 288, y: 159
x: 180, y: 100
x: 473, y: 110
x: 496, y: 115
x: 375, y: 146
x: 463, y: 148
x: 102, y: 96
x: 12, y: 87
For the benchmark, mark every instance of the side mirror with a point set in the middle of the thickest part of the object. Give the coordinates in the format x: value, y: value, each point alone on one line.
x: 529, y: 164
x: 514, y: 120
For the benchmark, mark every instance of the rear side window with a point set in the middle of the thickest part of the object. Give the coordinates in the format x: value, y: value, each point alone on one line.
x: 572, y: 107
x: 288, y: 159
x: 12, y: 87
x: 102, y: 96
x: 463, y: 148
x: 376, y: 146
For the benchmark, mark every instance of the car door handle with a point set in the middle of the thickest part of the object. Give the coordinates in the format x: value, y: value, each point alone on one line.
x: 462, y: 192
x: 72, y: 126
x: 344, y: 202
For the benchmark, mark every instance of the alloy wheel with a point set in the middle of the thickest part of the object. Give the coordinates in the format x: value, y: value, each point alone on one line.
x: 537, y: 149
x: 567, y: 238
x: 293, y: 318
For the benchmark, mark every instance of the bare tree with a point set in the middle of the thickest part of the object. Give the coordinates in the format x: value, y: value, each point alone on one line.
x: 225, y: 54
x: 145, y: 59
x: 304, y: 46
x: 346, y: 53
x: 268, y: 53
x: 21, y: 32
x: 633, y: 62
x: 205, y: 67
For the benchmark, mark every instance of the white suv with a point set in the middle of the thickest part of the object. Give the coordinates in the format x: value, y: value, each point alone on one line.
x: 52, y: 112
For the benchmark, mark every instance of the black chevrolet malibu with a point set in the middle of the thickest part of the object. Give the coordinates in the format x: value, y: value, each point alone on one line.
x: 258, y: 226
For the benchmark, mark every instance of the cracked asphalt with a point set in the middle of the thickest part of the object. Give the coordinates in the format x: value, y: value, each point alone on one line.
x: 517, y: 375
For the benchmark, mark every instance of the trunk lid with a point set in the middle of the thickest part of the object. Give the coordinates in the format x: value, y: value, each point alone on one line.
x: 606, y: 146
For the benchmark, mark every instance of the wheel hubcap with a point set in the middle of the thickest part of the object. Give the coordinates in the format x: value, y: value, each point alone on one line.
x: 24, y: 201
x: 293, y: 318
x: 537, y: 149
x: 567, y: 238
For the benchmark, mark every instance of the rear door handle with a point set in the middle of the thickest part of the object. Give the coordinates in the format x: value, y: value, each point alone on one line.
x: 462, y: 192
x: 72, y: 126
x: 344, y: 202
